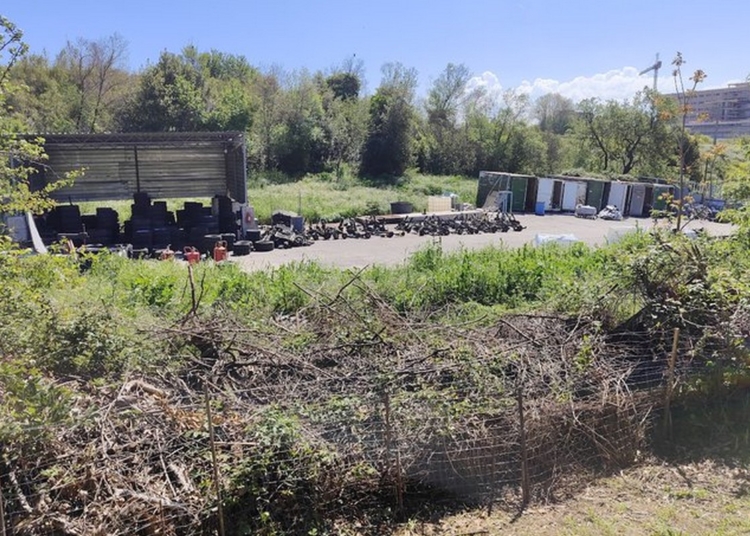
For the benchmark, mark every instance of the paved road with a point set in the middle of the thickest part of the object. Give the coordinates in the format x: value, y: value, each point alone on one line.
x: 357, y: 253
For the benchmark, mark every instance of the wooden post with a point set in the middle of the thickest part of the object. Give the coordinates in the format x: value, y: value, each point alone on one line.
x: 2, y: 513
x: 525, y: 484
x: 670, y: 384
x: 388, y: 446
x: 217, y: 485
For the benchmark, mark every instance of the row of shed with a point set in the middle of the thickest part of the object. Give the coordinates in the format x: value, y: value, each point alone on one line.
x: 528, y: 193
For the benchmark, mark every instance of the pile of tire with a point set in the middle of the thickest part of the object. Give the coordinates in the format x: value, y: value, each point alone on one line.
x: 259, y: 241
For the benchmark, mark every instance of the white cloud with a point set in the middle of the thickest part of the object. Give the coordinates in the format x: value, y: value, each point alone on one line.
x: 617, y: 84
x: 487, y: 82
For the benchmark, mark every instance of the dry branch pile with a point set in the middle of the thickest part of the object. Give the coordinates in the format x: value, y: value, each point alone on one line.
x: 322, y: 414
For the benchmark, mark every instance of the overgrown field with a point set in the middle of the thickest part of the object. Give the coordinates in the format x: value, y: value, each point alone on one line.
x: 323, y: 196
x: 312, y: 401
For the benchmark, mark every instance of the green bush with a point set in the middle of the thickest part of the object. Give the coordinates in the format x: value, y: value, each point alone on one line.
x: 280, y: 488
x: 492, y: 276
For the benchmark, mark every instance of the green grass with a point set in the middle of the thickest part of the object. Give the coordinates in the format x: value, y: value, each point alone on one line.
x: 321, y: 196
x: 123, y: 207
x: 316, y: 197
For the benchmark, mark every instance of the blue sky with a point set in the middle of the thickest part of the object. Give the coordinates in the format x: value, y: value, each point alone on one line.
x: 580, y: 48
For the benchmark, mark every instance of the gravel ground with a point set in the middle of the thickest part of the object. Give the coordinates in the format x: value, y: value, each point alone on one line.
x: 357, y: 253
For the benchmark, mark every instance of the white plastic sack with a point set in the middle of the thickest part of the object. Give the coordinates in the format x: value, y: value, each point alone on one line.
x: 558, y: 238
x: 616, y: 233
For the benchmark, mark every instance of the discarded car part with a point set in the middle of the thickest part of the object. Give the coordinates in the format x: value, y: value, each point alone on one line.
x: 253, y: 235
x: 122, y: 250
x: 139, y: 253
x: 610, y: 212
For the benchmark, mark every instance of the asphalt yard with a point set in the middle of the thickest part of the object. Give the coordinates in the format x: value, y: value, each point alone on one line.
x: 358, y: 253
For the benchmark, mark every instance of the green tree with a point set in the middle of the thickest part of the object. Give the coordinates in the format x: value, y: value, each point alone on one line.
x: 736, y: 187
x: 218, y: 65
x: 554, y: 113
x: 268, y: 95
x: 300, y: 142
x: 193, y: 90
x: 498, y: 134
x: 389, y: 144
x: 344, y: 85
x: 229, y: 106
x: 622, y: 135
x: 43, y: 98
x: 446, y: 96
x: 445, y: 144
x: 95, y: 69
x: 18, y: 155
x: 559, y: 152
x: 345, y: 123
x: 169, y: 97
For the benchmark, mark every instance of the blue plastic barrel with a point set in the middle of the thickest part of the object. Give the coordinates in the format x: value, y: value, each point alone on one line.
x: 539, y: 210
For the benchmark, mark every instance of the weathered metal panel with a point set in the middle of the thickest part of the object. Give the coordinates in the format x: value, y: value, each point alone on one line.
x: 637, y: 199
x: 618, y: 195
x: 544, y: 192
x: 165, y: 165
x: 494, y: 181
x: 574, y: 193
x: 595, y: 194
x: 518, y: 186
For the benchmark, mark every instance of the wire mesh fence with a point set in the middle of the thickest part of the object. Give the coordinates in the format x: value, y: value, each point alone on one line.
x: 252, y: 433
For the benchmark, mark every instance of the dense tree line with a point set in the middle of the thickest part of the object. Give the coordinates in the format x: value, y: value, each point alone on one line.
x: 303, y: 122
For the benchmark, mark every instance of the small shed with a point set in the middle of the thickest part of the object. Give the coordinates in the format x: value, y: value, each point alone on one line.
x: 595, y: 193
x: 574, y: 193
x: 637, y: 204
x: 161, y: 164
x: 522, y: 187
x: 618, y: 194
x: 550, y: 192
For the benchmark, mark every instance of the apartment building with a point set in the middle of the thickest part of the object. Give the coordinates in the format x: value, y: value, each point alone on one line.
x: 721, y: 113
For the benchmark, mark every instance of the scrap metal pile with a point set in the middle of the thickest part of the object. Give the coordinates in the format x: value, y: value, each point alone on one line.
x: 357, y: 227
x: 284, y: 235
x: 463, y: 223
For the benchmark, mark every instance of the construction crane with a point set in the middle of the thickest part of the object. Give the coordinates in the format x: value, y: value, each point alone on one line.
x: 655, y: 67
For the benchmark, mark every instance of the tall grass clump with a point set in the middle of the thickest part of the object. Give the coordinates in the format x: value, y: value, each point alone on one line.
x: 166, y: 289
x: 493, y: 276
x: 330, y: 198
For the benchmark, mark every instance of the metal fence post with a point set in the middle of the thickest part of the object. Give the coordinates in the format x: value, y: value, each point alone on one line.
x: 670, y: 384
x: 389, y: 446
x: 525, y: 484
x: 217, y: 484
x: 2, y: 512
